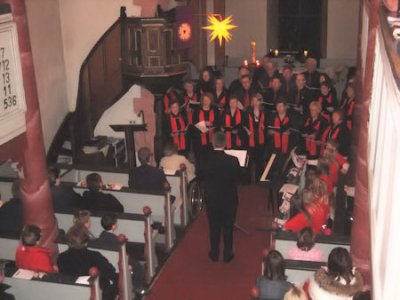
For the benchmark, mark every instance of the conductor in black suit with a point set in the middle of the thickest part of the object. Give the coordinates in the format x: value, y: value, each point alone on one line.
x: 220, y: 174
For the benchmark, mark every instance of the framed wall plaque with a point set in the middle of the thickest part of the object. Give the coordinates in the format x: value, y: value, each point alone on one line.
x: 12, y: 96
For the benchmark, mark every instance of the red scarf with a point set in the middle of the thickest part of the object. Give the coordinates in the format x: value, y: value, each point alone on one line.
x: 348, y: 107
x: 311, y: 145
x: 179, y: 139
x: 168, y: 98
x: 329, y: 134
x: 211, y: 118
x: 189, y: 111
x: 281, y: 140
x: 228, y: 133
x: 260, y: 130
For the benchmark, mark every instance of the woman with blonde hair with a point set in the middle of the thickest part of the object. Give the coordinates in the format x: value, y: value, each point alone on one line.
x: 315, y: 209
x: 295, y: 293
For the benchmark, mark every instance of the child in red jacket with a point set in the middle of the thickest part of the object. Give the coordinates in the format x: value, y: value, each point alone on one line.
x: 29, y: 256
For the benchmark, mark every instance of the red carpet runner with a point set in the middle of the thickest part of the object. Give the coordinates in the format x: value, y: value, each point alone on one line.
x: 190, y: 275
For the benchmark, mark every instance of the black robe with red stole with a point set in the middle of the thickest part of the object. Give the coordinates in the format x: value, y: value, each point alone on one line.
x: 231, y: 123
x: 316, y: 127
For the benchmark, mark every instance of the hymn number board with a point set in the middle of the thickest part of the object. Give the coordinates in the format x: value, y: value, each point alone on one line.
x: 12, y: 105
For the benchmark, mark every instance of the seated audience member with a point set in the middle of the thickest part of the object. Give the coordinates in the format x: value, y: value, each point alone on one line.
x: 3, y: 287
x: 108, y: 238
x: 29, y: 255
x: 339, y: 281
x: 272, y: 284
x: 305, y: 250
x: 295, y: 293
x: 146, y: 177
x: 77, y: 260
x: 11, y: 212
x: 172, y: 161
x: 82, y: 217
x: 64, y: 198
x: 96, y: 200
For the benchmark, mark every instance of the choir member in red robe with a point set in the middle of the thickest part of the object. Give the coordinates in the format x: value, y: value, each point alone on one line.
x: 274, y: 93
x: 339, y: 132
x: 206, y: 82
x: 203, y: 136
x: 221, y: 94
x: 312, y: 75
x: 280, y: 129
x: 302, y: 96
x: 327, y: 100
x: 169, y: 97
x: 232, y: 123
x: 313, y: 129
x: 245, y: 92
x: 347, y: 105
x: 175, y: 127
x: 191, y: 100
x: 288, y: 83
x: 257, y: 121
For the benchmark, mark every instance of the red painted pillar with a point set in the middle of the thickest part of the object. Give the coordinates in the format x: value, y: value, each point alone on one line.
x: 35, y: 190
x: 361, y: 237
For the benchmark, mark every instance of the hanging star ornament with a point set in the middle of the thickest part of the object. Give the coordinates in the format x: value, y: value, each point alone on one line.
x: 220, y: 28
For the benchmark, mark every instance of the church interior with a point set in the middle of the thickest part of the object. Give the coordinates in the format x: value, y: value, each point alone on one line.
x: 111, y: 109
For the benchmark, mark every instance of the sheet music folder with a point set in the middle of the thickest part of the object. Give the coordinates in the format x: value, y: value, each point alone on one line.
x: 241, y: 155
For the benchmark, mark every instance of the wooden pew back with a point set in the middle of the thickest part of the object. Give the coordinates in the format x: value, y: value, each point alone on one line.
x: 131, y: 225
x: 284, y: 241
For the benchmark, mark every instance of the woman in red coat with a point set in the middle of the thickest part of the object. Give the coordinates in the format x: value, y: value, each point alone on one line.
x: 30, y: 256
x: 316, y: 209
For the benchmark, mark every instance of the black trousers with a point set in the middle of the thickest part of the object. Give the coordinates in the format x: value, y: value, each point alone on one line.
x: 221, y: 220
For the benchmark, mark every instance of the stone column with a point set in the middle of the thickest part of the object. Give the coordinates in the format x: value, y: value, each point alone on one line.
x: 361, y: 234
x: 37, y: 204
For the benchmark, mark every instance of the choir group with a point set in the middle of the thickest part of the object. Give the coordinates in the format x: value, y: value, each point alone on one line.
x: 264, y: 111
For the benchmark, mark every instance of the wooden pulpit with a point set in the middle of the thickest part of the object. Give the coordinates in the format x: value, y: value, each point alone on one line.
x: 129, y: 130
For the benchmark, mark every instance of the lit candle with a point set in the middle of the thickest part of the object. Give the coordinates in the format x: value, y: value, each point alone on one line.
x: 305, y: 53
x: 257, y: 63
x: 276, y: 52
x: 245, y: 63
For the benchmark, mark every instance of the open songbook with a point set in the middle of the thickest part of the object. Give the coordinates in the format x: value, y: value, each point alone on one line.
x: 241, y: 155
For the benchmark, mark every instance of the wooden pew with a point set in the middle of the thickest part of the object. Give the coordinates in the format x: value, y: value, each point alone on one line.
x: 5, y: 188
x: 178, y: 184
x: 283, y: 241
x: 50, y: 287
x: 299, y: 271
x: 118, y: 258
x: 136, y: 228
x: 134, y: 201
